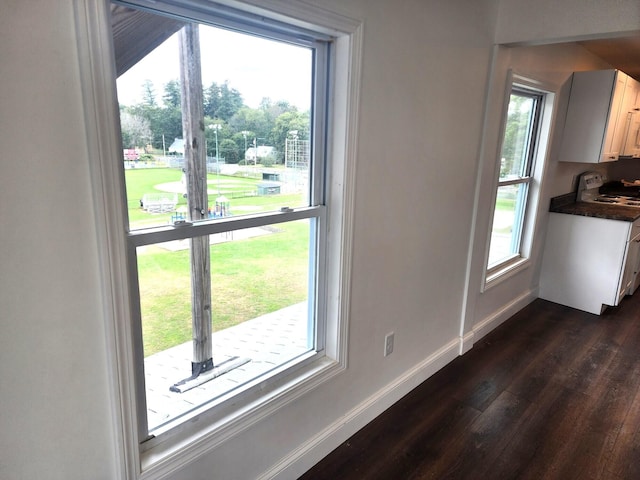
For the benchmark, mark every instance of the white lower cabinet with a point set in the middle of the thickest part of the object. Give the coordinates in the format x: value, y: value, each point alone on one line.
x: 631, y: 278
x: 589, y: 263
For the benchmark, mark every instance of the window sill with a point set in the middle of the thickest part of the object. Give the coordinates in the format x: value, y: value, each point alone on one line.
x: 506, y: 272
x: 209, y: 429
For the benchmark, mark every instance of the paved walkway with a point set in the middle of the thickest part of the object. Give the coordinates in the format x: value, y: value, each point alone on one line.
x: 267, y: 341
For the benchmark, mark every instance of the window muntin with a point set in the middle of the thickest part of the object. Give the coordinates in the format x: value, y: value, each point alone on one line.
x: 515, y: 176
x: 292, y: 215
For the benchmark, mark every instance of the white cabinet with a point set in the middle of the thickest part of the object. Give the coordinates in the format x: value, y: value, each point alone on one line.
x: 594, y: 130
x: 632, y: 142
x: 589, y: 262
x: 631, y: 275
x: 631, y: 108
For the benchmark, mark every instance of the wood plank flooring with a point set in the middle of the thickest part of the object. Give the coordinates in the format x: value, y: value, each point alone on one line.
x: 553, y: 393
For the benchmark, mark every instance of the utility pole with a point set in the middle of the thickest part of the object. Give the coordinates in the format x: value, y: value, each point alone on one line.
x: 197, y: 200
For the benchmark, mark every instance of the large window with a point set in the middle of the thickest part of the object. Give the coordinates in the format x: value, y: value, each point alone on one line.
x: 519, y: 151
x: 227, y: 193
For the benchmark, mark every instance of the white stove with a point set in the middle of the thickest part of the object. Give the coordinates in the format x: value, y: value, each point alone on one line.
x: 589, y: 191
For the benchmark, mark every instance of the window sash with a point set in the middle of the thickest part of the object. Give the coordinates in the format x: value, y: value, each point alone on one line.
x: 523, y: 181
x: 514, y: 181
x: 225, y: 17
x: 148, y: 236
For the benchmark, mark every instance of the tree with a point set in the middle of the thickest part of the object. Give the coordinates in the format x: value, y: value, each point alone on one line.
x: 222, y: 102
x: 211, y: 100
x: 148, y: 93
x: 167, y: 122
x: 171, y: 97
x: 288, y: 122
x: 270, y: 123
x: 136, y: 130
x: 253, y: 120
x: 230, y: 102
x: 517, y: 125
x: 229, y: 151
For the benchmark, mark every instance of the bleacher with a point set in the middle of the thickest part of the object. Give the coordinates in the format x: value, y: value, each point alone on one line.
x: 159, y: 202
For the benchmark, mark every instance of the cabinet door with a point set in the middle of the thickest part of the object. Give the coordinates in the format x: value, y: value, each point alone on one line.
x: 632, y: 266
x: 616, y: 121
x: 632, y: 145
x: 631, y: 107
x: 583, y: 261
x: 589, y: 134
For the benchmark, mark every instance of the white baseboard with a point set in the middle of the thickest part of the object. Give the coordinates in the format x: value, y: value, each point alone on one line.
x: 466, y: 342
x: 498, y: 317
x: 317, y: 447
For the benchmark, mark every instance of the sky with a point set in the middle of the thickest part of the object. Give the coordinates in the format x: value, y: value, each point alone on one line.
x: 257, y: 68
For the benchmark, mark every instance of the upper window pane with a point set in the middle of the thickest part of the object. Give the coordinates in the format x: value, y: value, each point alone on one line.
x: 256, y: 100
x: 517, y: 137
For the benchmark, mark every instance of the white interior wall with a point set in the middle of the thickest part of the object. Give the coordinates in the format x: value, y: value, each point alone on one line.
x: 56, y: 420
x: 545, y: 21
x: 552, y: 65
x: 424, y: 77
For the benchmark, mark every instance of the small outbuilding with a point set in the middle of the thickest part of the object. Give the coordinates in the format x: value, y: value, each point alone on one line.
x: 268, y: 188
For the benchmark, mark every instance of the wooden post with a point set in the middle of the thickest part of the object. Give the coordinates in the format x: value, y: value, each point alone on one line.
x: 197, y: 200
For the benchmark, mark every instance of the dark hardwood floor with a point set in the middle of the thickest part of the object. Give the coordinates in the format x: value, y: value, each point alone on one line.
x: 553, y: 393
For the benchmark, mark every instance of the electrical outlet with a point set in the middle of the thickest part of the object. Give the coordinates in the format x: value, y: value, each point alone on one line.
x: 388, y: 344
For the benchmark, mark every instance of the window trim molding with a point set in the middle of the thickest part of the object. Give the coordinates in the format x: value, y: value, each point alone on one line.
x: 510, y: 267
x: 97, y: 78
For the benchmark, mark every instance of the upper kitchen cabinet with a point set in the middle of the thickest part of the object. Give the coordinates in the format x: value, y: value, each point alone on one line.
x: 631, y: 109
x: 594, y: 129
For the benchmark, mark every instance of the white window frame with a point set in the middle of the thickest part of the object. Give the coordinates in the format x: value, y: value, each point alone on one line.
x: 97, y: 80
x: 538, y: 145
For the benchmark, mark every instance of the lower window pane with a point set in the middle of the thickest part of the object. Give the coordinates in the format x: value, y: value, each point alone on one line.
x: 507, y: 223
x: 260, y: 304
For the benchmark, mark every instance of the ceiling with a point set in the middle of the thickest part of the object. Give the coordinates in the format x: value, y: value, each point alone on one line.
x: 622, y: 53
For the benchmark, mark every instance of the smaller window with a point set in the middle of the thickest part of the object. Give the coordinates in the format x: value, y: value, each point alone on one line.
x: 515, y: 177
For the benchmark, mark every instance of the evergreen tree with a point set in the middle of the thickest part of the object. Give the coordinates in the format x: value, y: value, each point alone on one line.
x: 171, y: 97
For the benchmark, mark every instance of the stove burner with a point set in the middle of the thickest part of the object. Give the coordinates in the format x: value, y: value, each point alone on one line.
x: 589, y: 191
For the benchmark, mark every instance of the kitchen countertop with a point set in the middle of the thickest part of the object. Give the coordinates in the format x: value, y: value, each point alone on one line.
x: 567, y: 204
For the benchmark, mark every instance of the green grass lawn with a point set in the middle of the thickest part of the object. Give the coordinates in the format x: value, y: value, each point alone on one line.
x: 249, y: 277
x: 237, y: 189
x: 505, y: 203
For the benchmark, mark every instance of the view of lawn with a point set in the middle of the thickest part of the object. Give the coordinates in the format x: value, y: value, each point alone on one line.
x: 250, y: 275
